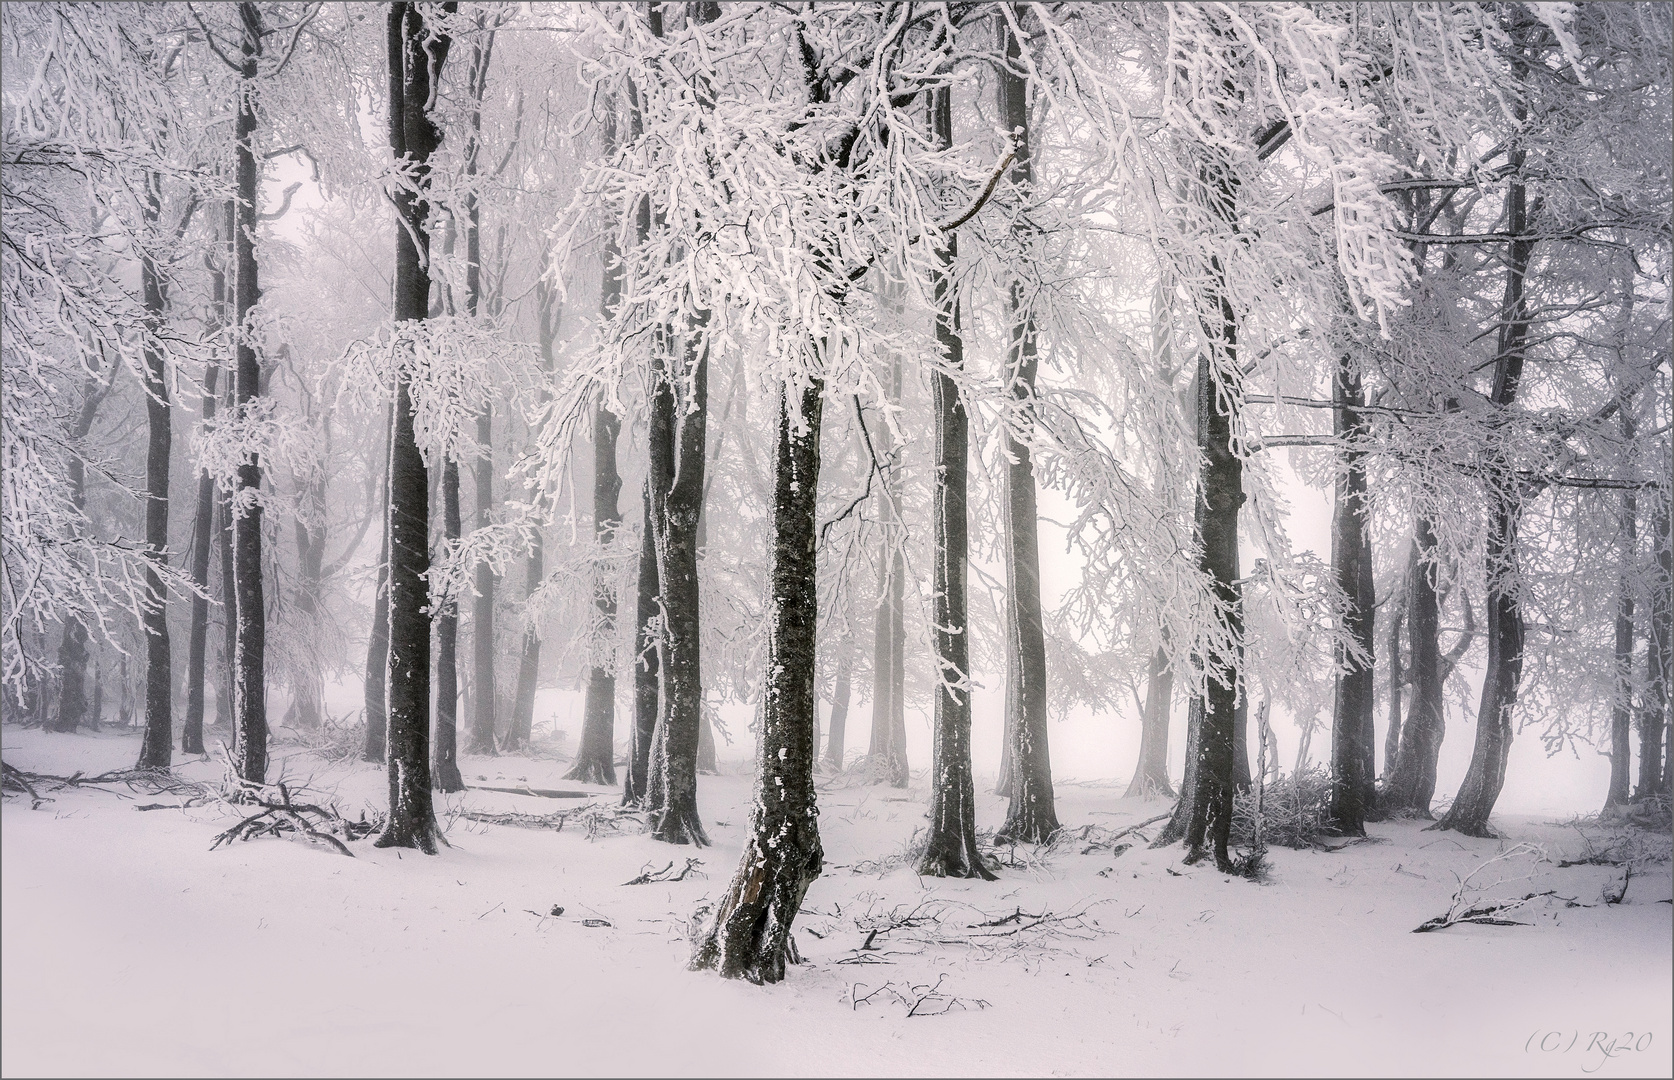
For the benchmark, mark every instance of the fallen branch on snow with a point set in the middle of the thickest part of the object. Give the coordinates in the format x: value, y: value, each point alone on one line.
x: 596, y: 818
x: 647, y: 875
x: 287, y: 816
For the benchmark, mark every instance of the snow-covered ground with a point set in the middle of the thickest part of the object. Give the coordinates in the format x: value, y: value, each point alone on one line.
x: 131, y: 948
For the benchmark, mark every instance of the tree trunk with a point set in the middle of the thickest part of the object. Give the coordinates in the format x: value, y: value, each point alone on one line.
x: 951, y: 849
x: 1032, y: 815
x: 837, y: 727
x: 1175, y: 830
x: 416, y: 50
x: 1215, y: 519
x: 377, y: 651
x: 1150, y: 775
x: 1659, y: 670
x: 250, y: 651
x: 1504, y: 616
x: 1412, y: 778
x: 595, y: 759
x: 1395, y: 622
x: 444, y: 769
x: 484, y: 691
x: 636, y: 781
x: 888, y: 750
x: 1353, y: 736
x: 678, y: 455
x: 157, y: 747
x: 72, y: 651
x: 749, y: 935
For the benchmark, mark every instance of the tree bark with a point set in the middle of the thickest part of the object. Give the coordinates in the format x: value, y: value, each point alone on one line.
x: 951, y: 849
x: 1032, y: 815
x: 1175, y: 830
x: 417, y: 52
x: 636, y: 781
x: 1150, y: 774
x: 157, y: 747
x: 1396, y: 621
x: 1504, y: 616
x: 444, y: 768
x: 197, y: 648
x: 1353, y: 735
x: 837, y: 726
x: 484, y: 691
x: 72, y: 650
x: 250, y: 652
x: 749, y: 934
x: 1412, y: 779
x: 595, y: 759
x: 888, y: 750
x: 1655, y: 741
x: 377, y: 651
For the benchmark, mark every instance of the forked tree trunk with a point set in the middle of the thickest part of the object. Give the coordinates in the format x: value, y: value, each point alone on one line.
x: 749, y: 934
x: 951, y: 848
x: 678, y: 455
x: 1150, y: 775
x: 1504, y: 616
x: 1353, y: 737
x: 444, y: 768
x: 416, y: 51
x: 1412, y: 778
x: 250, y: 653
x: 595, y: 759
x: 157, y: 747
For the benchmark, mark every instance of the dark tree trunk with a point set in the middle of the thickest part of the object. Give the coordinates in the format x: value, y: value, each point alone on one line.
x: 416, y: 52
x: 1412, y: 778
x: 1220, y: 495
x: 1655, y: 768
x: 250, y: 651
x: 837, y: 726
x: 951, y: 849
x: 157, y: 747
x: 1175, y: 830
x: 1353, y: 735
x: 1504, y: 617
x: 377, y: 651
x: 678, y: 456
x: 595, y: 759
x: 484, y: 690
x: 1621, y: 710
x: 1150, y: 775
x: 1032, y: 816
x: 749, y: 934
x: 72, y: 651
x: 636, y: 781
x: 444, y: 769
x: 1394, y: 623
x: 197, y: 649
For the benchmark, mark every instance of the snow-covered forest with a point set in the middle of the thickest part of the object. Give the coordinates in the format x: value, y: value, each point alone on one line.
x: 836, y: 538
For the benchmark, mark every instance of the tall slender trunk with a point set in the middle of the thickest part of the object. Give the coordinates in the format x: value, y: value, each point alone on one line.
x: 951, y: 849
x: 1150, y: 774
x: 749, y: 934
x: 1656, y: 742
x: 1032, y: 816
x: 417, y: 52
x: 1504, y: 616
x: 484, y: 690
x: 595, y: 759
x: 250, y: 650
x: 197, y: 649
x: 157, y: 747
x: 1395, y: 621
x: 444, y: 767
x: 1353, y: 737
x: 636, y: 781
x: 377, y: 650
x: 888, y: 749
x: 837, y: 726
x: 1621, y: 710
x: 72, y: 650
x: 1215, y: 519
x: 1412, y: 778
